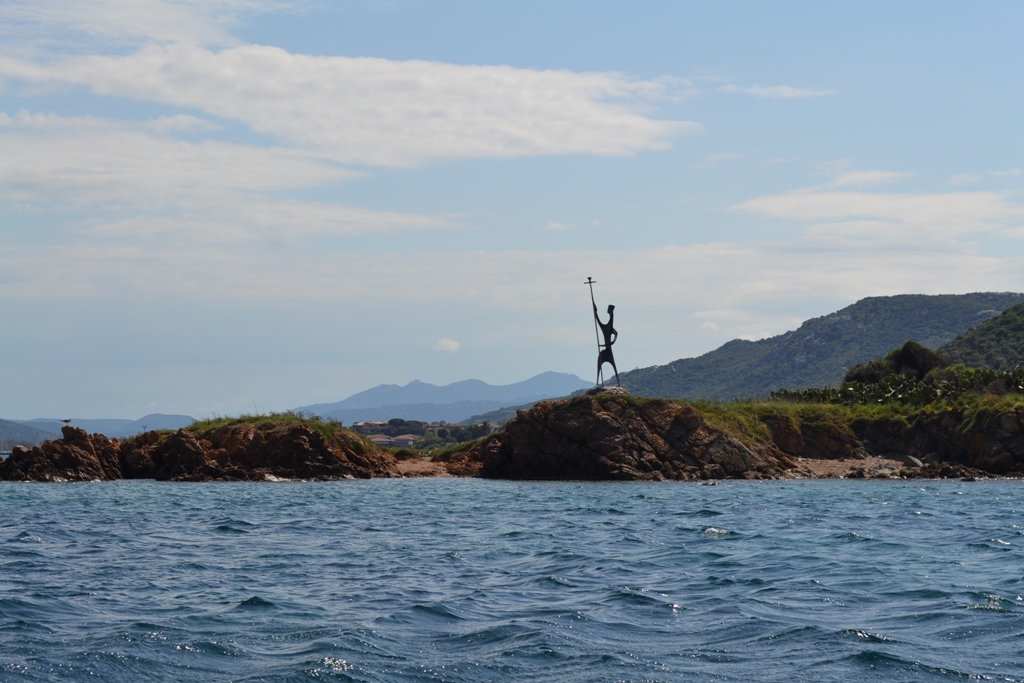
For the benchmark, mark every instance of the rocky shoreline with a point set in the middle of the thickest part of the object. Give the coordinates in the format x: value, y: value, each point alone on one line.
x: 601, y: 436
x: 611, y: 436
x: 240, y: 452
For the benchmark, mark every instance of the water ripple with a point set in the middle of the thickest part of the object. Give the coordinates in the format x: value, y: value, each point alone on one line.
x: 466, y: 580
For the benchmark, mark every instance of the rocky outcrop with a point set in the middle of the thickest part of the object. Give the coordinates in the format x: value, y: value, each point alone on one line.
x: 615, y: 437
x: 607, y: 436
x: 76, y: 457
x: 990, y: 443
x: 597, y: 436
x: 237, y: 452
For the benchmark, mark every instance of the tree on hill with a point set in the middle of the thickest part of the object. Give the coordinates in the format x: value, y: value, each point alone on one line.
x: 911, y: 360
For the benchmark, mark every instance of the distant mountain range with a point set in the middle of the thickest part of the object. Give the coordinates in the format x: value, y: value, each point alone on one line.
x: 14, y: 433
x: 821, y: 350
x: 449, y: 403
x: 997, y: 343
x: 36, y: 431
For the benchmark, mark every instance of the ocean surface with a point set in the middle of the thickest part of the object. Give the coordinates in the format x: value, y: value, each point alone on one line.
x: 469, y: 580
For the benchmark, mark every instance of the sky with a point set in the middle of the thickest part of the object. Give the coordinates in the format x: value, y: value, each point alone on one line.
x: 225, y: 206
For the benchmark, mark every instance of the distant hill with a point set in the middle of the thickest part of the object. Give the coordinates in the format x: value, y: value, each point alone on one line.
x: 451, y: 402
x: 821, y: 350
x: 997, y: 343
x: 499, y: 416
x: 424, y: 412
x: 113, y: 427
x: 15, y: 433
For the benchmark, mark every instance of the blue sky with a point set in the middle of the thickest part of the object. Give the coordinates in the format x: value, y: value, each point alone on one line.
x: 215, y: 207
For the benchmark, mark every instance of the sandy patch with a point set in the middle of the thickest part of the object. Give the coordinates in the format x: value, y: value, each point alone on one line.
x: 871, y: 466
x: 421, y: 467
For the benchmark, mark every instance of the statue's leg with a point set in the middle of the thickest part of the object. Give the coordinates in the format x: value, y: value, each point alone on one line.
x: 617, y: 382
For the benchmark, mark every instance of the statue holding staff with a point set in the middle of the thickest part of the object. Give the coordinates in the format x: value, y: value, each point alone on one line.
x: 604, y: 351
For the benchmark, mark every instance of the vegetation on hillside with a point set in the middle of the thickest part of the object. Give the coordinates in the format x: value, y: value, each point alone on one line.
x: 997, y: 343
x: 329, y: 429
x: 452, y: 435
x: 910, y: 360
x: 821, y: 350
x: 948, y: 385
x: 915, y: 376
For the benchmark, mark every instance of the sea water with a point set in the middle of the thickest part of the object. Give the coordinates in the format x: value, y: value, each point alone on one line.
x: 471, y: 580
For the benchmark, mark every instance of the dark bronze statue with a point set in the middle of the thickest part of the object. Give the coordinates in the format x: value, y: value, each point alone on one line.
x: 604, y: 351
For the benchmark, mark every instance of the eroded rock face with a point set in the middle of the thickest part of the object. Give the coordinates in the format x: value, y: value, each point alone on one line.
x: 610, y: 437
x: 946, y: 442
x: 76, y: 457
x: 231, y: 453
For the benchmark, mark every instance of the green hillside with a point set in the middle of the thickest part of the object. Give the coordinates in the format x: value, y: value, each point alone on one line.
x: 997, y: 343
x: 821, y: 350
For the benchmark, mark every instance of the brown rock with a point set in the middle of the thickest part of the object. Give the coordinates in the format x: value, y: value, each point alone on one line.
x: 296, y: 450
x: 234, y: 452
x: 76, y: 457
x: 616, y: 438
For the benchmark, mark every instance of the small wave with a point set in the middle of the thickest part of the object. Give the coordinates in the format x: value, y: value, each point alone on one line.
x: 870, y: 637
x: 558, y: 581
x: 436, y: 611
x: 25, y: 537
x: 876, y: 660
x: 635, y: 596
x: 715, y: 532
x: 880, y: 661
x: 994, y: 603
x: 707, y: 513
x: 989, y: 608
x: 256, y: 602
x: 229, y: 525
x: 208, y: 647
x: 332, y: 665
x: 507, y: 635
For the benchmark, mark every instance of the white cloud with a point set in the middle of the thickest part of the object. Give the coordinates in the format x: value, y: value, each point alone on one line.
x: 870, y: 177
x: 91, y: 160
x: 783, y: 92
x: 650, y: 286
x: 964, y: 178
x: 447, y: 344
x: 152, y: 185
x: 555, y: 225
x: 380, y: 112
x: 181, y: 123
x: 234, y: 217
x: 129, y: 21
x: 908, y: 215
